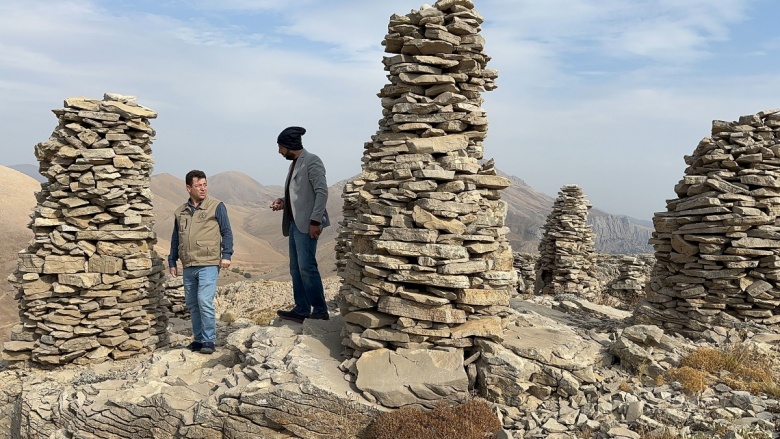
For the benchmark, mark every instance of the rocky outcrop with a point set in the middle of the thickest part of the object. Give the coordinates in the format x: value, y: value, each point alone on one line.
x: 716, y: 244
x: 556, y: 374
x: 270, y: 382
x: 90, y: 284
x: 566, y: 251
x: 423, y: 250
x: 617, y: 234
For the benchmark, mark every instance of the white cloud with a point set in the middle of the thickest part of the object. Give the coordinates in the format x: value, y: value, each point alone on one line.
x: 608, y: 94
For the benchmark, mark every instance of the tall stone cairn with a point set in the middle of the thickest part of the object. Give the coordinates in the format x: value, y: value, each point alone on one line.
x: 566, y: 250
x: 424, y: 257
x: 90, y: 284
x: 718, y: 244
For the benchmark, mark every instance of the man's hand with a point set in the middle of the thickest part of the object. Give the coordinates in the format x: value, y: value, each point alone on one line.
x: 173, y: 271
x: 314, y: 231
x: 278, y: 204
x: 224, y: 264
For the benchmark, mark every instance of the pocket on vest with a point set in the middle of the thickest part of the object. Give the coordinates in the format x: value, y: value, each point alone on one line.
x: 207, y: 247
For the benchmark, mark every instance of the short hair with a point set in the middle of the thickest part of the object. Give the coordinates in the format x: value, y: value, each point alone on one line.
x: 192, y: 175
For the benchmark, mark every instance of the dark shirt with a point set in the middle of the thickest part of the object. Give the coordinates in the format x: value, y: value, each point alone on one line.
x: 287, y: 202
x: 224, y: 230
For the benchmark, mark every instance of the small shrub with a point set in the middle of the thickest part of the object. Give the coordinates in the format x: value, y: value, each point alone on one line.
x: 248, y: 275
x: 706, y: 359
x: 692, y: 380
x: 262, y: 317
x: 235, y: 270
x: 228, y: 317
x: 741, y: 366
x: 470, y: 420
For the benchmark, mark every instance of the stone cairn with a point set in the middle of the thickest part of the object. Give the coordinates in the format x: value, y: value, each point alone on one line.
x: 90, y: 284
x: 525, y: 265
x: 425, y: 259
x: 174, y: 299
x: 630, y: 280
x: 566, y: 250
x: 718, y: 244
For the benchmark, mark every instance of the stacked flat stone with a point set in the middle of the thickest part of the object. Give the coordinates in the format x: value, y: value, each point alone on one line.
x: 174, y: 298
x: 630, y: 281
x: 525, y: 265
x: 427, y: 262
x: 90, y: 284
x: 718, y: 243
x: 566, y: 251
x: 348, y: 225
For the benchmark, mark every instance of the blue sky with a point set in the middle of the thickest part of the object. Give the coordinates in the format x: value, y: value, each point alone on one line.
x: 608, y: 94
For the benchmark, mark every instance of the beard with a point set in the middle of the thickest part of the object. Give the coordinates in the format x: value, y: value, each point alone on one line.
x: 289, y: 155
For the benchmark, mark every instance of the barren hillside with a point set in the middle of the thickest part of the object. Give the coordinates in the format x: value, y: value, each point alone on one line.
x: 16, y: 204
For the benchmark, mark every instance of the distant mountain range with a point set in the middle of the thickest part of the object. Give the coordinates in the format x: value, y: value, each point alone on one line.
x: 528, y: 210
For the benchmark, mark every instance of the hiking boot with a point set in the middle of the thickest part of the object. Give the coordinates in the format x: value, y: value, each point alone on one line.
x: 320, y: 316
x: 289, y: 315
x: 208, y: 348
x: 195, y: 346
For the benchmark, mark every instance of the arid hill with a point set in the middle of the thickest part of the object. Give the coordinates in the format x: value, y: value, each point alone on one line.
x: 16, y: 204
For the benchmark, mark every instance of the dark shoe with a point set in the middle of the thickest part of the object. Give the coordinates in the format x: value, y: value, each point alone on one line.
x: 320, y: 316
x: 195, y: 346
x: 208, y: 348
x: 289, y: 315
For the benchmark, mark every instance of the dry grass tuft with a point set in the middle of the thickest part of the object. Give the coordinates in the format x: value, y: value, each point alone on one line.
x: 692, y: 380
x: 262, y: 316
x: 470, y: 420
x: 706, y: 359
x: 605, y: 299
x: 741, y: 366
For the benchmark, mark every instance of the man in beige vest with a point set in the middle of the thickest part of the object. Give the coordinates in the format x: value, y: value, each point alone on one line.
x: 203, y: 240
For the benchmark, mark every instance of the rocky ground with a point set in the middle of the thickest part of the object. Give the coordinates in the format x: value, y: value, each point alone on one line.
x: 564, y: 368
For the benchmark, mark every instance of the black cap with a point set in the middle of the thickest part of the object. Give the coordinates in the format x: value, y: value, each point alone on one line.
x: 290, y: 138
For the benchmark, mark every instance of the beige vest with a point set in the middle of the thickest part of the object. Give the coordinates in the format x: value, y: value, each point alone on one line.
x: 200, y: 242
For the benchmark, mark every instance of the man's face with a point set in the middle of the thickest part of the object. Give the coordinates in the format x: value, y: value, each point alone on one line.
x: 198, y: 189
x: 286, y: 153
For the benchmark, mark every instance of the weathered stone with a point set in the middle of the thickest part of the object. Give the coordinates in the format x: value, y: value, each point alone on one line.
x: 440, y: 251
x: 403, y: 377
x: 437, y: 145
x: 80, y: 280
x: 473, y: 296
x: 104, y: 264
x: 437, y: 280
x: 431, y: 221
x: 488, y: 327
x: 63, y: 264
x: 407, y: 308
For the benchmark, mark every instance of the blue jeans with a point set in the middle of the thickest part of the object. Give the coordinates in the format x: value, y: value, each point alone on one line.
x: 200, y: 287
x: 308, y: 293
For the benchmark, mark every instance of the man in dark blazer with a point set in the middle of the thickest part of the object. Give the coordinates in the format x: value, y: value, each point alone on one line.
x: 304, y: 217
